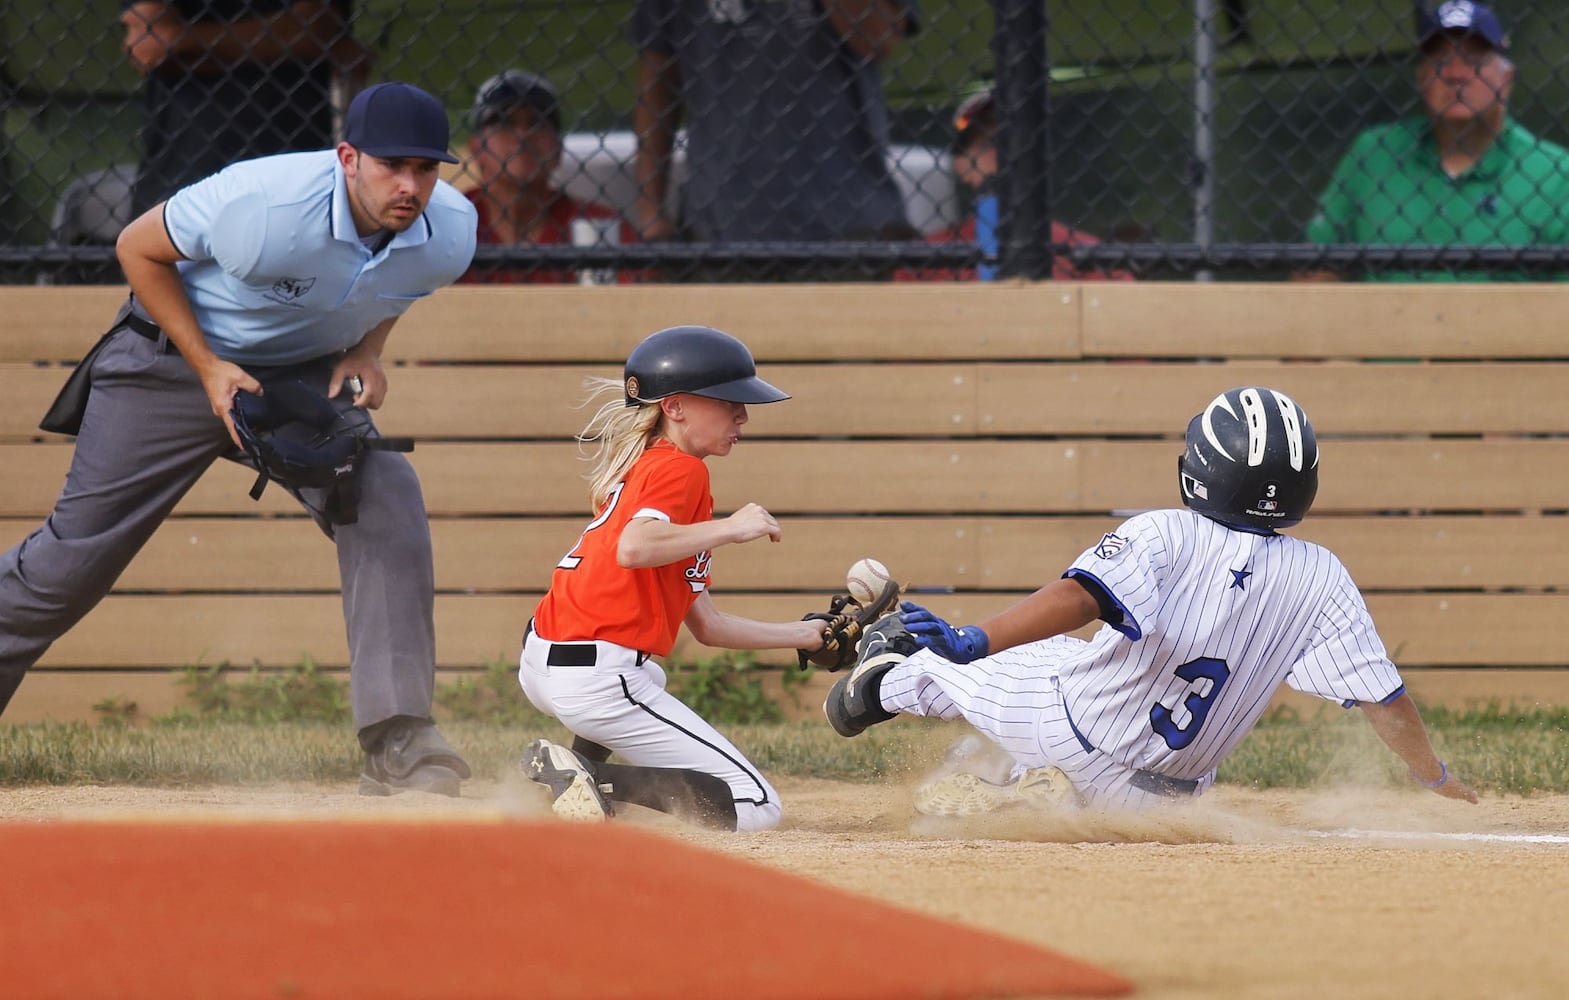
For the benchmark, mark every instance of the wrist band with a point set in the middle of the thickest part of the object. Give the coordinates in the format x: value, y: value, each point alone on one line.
x: 1443, y: 776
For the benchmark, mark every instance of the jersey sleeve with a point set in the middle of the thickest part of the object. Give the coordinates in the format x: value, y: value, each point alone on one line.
x: 1345, y: 660
x: 222, y: 217
x: 674, y: 490
x: 652, y: 28
x: 1129, y: 565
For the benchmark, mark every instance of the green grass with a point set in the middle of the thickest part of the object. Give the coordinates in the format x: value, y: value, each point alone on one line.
x: 245, y: 754
x: 255, y: 727
x: 1500, y: 749
x: 1497, y: 749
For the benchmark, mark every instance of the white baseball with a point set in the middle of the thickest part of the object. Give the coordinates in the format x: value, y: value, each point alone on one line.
x: 866, y: 579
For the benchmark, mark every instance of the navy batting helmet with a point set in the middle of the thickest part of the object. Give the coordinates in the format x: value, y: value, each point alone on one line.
x: 698, y: 360
x: 1251, y: 460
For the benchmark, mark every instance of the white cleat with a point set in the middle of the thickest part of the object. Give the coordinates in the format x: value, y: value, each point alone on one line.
x: 1045, y: 788
x: 575, y: 795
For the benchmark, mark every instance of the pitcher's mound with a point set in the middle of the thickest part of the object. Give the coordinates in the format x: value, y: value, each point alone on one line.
x: 457, y: 909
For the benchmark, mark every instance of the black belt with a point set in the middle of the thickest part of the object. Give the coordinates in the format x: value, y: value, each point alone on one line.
x: 1160, y: 784
x: 572, y: 654
x: 148, y: 330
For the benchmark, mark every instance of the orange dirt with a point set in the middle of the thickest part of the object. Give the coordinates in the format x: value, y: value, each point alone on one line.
x: 1232, y: 897
x: 296, y: 909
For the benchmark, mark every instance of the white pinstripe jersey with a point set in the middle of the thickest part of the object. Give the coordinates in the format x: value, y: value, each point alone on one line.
x: 1214, y: 621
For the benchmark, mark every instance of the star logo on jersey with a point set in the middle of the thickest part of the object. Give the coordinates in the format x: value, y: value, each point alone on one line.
x: 1237, y: 578
x: 1111, y: 545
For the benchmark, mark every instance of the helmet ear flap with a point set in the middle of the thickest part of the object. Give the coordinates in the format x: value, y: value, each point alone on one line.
x: 1187, y: 485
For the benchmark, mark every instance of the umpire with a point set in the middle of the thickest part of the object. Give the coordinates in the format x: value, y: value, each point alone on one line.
x: 293, y: 266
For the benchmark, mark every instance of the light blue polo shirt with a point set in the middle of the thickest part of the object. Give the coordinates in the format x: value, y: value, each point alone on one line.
x: 276, y: 272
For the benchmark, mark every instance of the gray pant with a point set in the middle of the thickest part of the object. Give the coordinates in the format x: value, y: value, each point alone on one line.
x: 147, y: 437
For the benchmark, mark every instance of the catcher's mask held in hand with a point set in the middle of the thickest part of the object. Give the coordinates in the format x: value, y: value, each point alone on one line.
x: 296, y: 437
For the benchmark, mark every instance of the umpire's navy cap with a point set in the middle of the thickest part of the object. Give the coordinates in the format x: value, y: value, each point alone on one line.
x: 396, y: 120
x: 1462, y: 17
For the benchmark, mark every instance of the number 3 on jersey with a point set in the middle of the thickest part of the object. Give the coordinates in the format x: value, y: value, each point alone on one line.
x: 571, y: 560
x: 1198, y: 705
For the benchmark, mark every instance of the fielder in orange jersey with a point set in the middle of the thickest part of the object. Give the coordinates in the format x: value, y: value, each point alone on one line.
x: 638, y: 572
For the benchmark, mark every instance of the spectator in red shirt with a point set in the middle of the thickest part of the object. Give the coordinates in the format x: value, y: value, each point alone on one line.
x: 975, y: 164
x: 514, y: 151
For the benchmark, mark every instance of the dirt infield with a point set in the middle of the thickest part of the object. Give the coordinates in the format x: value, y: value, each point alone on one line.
x: 1244, y: 894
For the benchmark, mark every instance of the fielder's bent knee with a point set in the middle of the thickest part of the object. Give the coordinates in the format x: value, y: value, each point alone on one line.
x: 750, y: 817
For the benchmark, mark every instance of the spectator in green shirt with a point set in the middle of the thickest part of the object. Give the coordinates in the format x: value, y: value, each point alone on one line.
x: 1464, y: 173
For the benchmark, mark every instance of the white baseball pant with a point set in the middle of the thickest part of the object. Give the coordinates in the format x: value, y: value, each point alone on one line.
x: 622, y: 704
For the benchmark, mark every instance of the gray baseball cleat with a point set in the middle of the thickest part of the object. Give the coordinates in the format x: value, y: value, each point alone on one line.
x: 575, y: 793
x: 964, y: 794
x: 852, y: 704
x: 413, y: 757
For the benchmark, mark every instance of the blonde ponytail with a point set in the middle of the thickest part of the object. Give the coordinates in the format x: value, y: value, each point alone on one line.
x: 618, y: 434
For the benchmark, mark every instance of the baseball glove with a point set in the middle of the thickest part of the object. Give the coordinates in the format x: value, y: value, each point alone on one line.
x: 843, y: 623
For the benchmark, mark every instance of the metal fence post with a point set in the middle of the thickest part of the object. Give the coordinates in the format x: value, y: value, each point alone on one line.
x: 1203, y: 166
x: 1023, y: 145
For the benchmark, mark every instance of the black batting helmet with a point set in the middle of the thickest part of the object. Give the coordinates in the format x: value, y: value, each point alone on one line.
x: 1251, y: 460
x: 698, y: 360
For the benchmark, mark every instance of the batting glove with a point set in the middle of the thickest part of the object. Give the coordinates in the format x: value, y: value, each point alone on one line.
x: 961, y: 645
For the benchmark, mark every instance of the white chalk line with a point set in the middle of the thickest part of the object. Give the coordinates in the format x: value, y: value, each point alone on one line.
x: 1497, y: 838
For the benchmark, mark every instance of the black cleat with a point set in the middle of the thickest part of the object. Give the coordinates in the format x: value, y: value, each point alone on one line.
x: 853, y: 703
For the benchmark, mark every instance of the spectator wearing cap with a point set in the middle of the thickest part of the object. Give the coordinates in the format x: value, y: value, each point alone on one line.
x: 1463, y: 173
x: 295, y: 266
x: 975, y: 164
x: 514, y: 151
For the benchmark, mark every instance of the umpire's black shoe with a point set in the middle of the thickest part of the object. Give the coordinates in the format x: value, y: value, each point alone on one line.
x: 413, y: 757
x: 853, y: 702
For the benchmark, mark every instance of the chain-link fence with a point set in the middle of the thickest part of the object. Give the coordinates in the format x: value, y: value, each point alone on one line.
x: 778, y: 139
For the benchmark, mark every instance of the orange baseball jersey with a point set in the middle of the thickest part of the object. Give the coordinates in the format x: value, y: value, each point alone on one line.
x: 593, y: 597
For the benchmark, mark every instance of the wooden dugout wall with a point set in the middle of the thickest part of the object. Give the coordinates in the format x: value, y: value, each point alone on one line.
x: 974, y: 437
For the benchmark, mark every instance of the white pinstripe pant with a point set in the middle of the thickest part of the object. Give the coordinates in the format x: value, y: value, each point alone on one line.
x: 1015, y: 698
